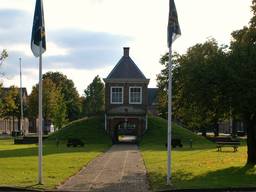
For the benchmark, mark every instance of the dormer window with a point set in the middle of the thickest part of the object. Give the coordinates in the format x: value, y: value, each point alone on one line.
x: 135, y: 95
x: 116, y: 95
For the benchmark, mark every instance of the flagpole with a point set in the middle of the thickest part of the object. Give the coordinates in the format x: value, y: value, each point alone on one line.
x: 21, y: 99
x: 40, y: 131
x: 169, y: 167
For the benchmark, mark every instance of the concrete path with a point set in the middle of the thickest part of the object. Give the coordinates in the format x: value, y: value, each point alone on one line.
x: 121, y: 169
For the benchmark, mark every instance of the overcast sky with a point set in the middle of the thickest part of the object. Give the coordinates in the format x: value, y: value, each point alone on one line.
x: 85, y: 38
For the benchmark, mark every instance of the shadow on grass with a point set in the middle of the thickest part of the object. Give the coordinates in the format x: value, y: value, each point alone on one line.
x: 233, y: 177
x: 161, y: 147
x: 50, y: 149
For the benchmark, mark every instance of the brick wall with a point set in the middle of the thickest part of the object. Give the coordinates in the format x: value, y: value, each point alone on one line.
x: 126, y: 95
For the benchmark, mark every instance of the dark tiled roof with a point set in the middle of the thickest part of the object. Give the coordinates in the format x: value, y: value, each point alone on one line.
x: 126, y: 69
x: 152, y: 94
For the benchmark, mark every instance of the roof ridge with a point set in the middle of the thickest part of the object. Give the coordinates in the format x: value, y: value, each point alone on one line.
x: 126, y: 68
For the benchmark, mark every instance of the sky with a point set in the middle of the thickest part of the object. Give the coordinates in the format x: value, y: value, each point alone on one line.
x: 85, y: 38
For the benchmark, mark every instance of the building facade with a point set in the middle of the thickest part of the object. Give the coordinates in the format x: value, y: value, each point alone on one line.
x: 126, y: 99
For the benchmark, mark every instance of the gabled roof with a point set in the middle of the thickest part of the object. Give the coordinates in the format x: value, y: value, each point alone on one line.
x: 126, y: 68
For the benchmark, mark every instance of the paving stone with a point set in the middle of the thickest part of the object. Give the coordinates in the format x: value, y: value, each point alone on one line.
x: 120, y: 169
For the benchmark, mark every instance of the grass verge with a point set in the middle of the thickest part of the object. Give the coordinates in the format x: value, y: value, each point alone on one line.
x: 18, y: 163
x: 198, y: 167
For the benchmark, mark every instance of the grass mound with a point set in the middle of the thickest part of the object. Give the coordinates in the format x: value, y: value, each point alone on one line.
x: 90, y: 130
x: 157, y: 134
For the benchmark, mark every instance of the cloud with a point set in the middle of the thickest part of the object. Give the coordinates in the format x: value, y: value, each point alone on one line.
x: 12, y: 18
x: 86, y: 49
x: 14, y: 26
x: 66, y: 48
x: 69, y: 49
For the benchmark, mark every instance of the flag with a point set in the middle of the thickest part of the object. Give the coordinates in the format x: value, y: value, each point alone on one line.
x: 173, y: 24
x: 38, y: 31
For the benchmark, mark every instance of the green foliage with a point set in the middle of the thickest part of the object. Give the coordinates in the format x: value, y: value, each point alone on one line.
x: 211, y: 83
x: 242, y: 65
x: 60, y: 114
x: 33, y: 103
x: 162, y: 84
x: 243, y: 74
x: 11, y: 102
x: 3, y: 56
x: 53, y: 107
x: 1, y: 99
x: 94, y: 97
x: 69, y: 93
x: 199, y: 83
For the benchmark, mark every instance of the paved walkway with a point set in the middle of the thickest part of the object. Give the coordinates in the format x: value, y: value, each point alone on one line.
x: 121, y: 169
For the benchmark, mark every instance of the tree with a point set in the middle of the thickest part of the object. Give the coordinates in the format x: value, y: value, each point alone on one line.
x: 69, y: 93
x: 11, y: 103
x: 60, y: 114
x: 52, y: 103
x: 199, y: 98
x: 3, y: 56
x: 162, y: 84
x: 243, y: 75
x: 94, y: 97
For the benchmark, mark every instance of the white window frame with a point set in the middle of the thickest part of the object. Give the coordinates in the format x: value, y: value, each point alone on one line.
x: 138, y: 103
x: 111, y: 102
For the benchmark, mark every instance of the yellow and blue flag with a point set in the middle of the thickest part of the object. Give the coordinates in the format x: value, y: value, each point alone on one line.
x: 173, y: 25
x: 38, y: 31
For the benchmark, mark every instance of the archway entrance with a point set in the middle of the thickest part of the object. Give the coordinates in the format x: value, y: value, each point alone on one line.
x: 126, y: 132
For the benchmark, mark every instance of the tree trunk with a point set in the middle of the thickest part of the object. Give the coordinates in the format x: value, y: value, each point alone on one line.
x: 35, y: 127
x: 13, y: 123
x: 216, y: 129
x: 204, y: 132
x: 19, y: 127
x: 251, y: 141
x: 234, y: 127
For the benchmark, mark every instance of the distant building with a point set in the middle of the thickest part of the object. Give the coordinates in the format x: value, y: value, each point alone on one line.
x: 126, y: 99
x: 11, y: 124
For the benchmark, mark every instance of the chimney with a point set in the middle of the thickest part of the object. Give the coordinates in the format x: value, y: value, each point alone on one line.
x: 126, y: 51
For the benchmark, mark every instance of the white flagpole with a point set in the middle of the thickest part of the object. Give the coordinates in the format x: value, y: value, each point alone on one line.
x: 169, y: 167
x: 40, y: 131
x: 21, y: 100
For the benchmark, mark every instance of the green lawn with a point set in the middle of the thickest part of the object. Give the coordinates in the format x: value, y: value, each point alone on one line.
x: 18, y: 163
x: 199, y: 167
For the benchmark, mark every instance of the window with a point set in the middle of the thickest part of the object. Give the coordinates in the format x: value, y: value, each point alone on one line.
x: 116, y: 95
x: 135, y: 95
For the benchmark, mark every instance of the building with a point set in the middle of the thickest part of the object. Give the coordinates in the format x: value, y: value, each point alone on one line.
x: 126, y: 99
x: 10, y: 124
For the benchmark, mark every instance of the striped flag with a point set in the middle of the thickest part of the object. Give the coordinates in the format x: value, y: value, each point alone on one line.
x: 173, y: 25
x: 38, y: 31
